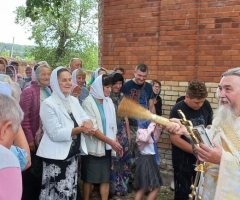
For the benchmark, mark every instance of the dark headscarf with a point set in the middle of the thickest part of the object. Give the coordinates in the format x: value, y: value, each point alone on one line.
x: 116, y: 77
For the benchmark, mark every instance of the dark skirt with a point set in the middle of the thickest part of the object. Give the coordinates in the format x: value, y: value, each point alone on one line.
x: 147, y: 174
x: 32, y: 178
x: 59, y: 180
x: 96, y: 169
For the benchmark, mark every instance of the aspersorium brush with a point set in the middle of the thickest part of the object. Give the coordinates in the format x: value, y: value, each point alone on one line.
x: 130, y: 108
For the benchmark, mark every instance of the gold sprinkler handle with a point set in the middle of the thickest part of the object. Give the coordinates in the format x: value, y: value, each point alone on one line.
x: 189, y: 126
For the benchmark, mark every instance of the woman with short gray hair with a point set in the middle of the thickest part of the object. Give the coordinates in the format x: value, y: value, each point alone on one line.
x: 10, y: 173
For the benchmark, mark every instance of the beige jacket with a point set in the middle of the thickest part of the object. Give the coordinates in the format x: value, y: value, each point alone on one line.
x: 95, y: 147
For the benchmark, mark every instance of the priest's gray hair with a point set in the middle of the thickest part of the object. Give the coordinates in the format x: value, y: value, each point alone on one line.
x: 232, y: 71
x: 10, y: 111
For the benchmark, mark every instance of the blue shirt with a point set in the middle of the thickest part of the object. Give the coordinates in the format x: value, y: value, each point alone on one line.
x: 103, y: 117
x: 83, y: 95
x: 131, y: 89
x: 21, y: 155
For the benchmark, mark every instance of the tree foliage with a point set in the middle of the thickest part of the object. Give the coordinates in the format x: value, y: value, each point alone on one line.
x: 66, y: 30
x: 35, y: 7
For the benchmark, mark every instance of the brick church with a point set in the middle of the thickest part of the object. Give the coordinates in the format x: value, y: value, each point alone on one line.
x: 179, y: 40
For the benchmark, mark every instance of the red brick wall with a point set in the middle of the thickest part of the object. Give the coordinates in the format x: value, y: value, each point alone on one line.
x: 180, y: 40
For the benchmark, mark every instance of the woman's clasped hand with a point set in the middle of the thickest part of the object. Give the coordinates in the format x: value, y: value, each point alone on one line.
x: 87, y: 128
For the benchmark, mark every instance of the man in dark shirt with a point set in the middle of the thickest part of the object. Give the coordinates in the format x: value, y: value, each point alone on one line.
x: 141, y: 91
x: 132, y: 88
x: 197, y: 109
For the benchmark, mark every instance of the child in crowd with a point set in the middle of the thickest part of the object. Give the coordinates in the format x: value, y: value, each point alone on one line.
x: 147, y: 176
x: 76, y: 91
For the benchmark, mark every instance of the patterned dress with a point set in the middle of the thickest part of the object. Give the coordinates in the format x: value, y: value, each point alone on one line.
x: 120, y: 170
x: 59, y: 179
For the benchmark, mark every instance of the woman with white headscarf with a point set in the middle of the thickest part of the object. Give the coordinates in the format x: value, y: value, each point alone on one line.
x: 95, y: 74
x: 96, y: 166
x: 64, y: 122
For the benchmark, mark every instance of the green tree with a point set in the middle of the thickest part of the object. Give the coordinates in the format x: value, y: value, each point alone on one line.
x: 72, y: 34
x: 20, y: 51
x: 34, y: 8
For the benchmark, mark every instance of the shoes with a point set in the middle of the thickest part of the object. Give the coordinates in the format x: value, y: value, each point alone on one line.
x: 130, y: 188
x: 172, y: 186
x: 115, y: 197
x: 146, y: 193
x: 95, y: 196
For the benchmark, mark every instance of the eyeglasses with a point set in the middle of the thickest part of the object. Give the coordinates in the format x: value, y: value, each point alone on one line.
x: 156, y: 86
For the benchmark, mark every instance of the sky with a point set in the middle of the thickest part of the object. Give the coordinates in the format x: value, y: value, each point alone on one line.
x: 8, y: 28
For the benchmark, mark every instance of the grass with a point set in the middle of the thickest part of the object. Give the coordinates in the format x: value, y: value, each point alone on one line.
x: 165, y: 194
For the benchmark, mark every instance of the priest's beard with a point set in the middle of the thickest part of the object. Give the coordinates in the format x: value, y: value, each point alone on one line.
x: 224, y: 115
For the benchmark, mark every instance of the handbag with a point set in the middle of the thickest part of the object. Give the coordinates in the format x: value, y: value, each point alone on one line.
x: 38, y: 135
x: 140, y: 92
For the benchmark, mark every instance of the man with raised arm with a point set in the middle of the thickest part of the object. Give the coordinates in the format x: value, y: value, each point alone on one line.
x: 142, y: 92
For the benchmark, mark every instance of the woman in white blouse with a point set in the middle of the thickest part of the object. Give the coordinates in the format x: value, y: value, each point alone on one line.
x: 64, y: 122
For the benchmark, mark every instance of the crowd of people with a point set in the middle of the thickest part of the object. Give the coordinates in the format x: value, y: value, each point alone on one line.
x: 69, y: 129
x: 56, y: 129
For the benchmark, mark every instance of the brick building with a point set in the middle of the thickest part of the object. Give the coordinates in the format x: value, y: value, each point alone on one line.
x: 180, y: 41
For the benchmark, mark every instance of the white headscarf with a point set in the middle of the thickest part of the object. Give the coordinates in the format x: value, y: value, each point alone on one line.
x: 96, y: 73
x: 74, y: 76
x: 57, y: 93
x: 108, y: 107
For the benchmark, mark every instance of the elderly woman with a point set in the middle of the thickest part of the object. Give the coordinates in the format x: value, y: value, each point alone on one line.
x: 20, y: 146
x: 96, y: 166
x: 10, y: 119
x: 64, y: 122
x: 121, y: 166
x: 79, y: 78
x: 31, y: 99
